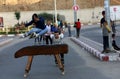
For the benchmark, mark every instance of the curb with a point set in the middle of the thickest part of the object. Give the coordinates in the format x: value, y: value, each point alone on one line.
x: 11, y: 35
x: 95, y: 52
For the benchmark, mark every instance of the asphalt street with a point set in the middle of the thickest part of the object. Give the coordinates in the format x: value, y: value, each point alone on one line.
x: 79, y: 64
x: 95, y: 33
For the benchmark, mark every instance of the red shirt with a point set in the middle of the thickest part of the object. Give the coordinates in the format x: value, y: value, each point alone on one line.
x: 78, y: 25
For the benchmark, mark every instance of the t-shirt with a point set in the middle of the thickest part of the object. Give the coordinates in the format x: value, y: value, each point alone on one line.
x: 49, y: 30
x: 57, y: 40
x: 78, y: 25
x: 104, y: 29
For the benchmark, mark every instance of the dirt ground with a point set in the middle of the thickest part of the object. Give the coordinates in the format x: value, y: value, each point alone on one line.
x: 35, y: 5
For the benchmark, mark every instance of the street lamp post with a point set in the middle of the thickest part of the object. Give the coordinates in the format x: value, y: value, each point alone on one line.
x: 75, y: 15
x: 55, y: 11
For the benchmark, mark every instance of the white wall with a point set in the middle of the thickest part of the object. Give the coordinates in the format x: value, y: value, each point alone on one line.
x: 85, y: 15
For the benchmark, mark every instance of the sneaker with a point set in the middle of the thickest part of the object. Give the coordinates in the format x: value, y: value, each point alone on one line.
x: 36, y: 35
x: 23, y: 36
x: 105, y: 51
x: 32, y: 35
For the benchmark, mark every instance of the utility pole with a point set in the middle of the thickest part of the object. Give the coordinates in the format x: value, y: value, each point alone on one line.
x: 55, y: 11
x: 75, y: 8
x: 107, y: 18
x: 75, y: 12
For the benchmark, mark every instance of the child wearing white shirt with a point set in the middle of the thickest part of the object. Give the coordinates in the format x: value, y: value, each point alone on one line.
x: 57, y: 39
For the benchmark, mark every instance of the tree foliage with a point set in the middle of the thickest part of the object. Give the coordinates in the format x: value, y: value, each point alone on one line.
x: 51, y: 17
x: 17, y: 15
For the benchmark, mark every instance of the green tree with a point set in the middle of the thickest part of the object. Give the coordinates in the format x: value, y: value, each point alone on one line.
x: 17, y: 15
x: 51, y: 17
x: 47, y: 16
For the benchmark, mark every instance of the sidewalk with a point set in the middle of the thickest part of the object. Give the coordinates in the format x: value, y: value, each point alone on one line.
x: 95, y: 48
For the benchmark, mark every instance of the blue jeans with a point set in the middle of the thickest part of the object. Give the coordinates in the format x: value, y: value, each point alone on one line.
x: 41, y: 32
x: 38, y: 31
x: 34, y: 30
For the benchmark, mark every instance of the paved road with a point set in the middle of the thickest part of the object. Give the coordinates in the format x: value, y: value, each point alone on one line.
x: 78, y: 64
x: 95, y: 33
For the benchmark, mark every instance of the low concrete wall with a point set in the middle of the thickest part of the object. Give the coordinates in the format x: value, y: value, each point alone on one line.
x: 92, y: 15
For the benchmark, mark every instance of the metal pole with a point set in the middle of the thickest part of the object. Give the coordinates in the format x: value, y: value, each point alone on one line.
x: 75, y: 12
x: 55, y: 11
x: 115, y: 19
x: 107, y: 17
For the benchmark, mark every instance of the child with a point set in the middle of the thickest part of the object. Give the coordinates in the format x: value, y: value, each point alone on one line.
x: 57, y: 39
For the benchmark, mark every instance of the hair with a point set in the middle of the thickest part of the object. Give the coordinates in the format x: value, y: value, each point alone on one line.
x: 34, y: 15
x: 113, y: 35
x: 78, y: 19
x: 103, y: 12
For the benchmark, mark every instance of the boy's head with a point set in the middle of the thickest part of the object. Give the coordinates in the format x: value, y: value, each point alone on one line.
x: 103, y: 12
x: 56, y: 34
x: 35, y: 17
x: 48, y: 22
x: 113, y: 35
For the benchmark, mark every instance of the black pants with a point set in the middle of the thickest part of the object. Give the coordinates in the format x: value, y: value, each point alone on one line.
x: 105, y: 42
x: 41, y: 37
x: 77, y: 32
x: 48, y: 38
